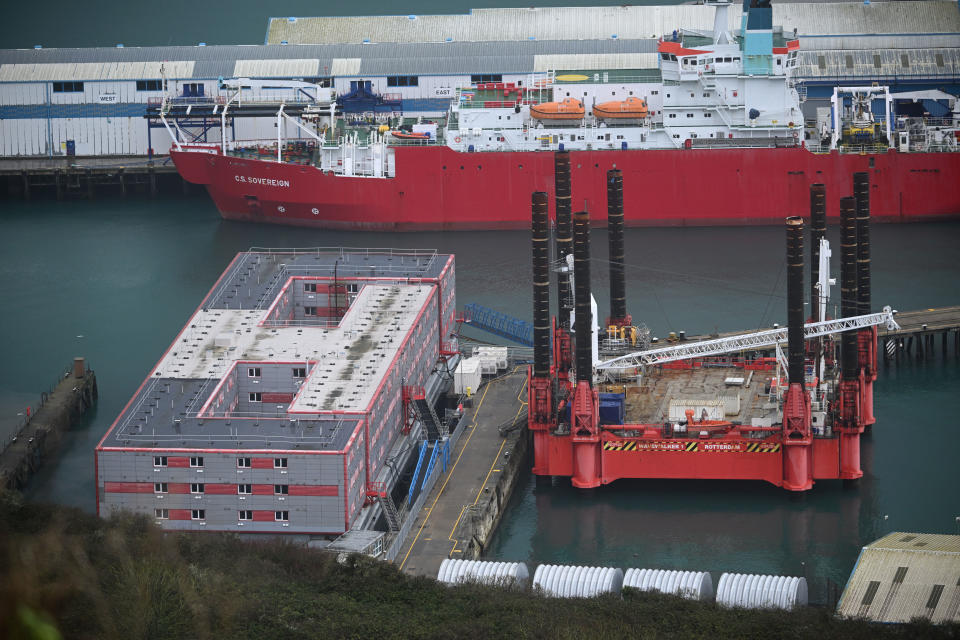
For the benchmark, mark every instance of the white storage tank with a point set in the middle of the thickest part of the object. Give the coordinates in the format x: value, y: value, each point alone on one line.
x: 753, y: 591
x: 565, y: 581
x: 695, y: 585
x: 467, y: 374
x: 479, y: 571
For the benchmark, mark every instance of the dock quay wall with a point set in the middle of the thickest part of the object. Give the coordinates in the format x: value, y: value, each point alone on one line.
x: 478, y: 523
x: 89, y: 177
x: 42, y: 431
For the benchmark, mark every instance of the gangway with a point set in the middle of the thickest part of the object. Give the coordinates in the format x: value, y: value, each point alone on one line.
x: 758, y: 340
x: 497, y: 323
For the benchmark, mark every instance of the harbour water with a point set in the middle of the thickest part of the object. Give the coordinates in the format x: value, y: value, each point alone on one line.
x: 114, y: 280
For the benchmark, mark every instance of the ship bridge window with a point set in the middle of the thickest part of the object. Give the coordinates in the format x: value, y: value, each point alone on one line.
x: 736, y: 59
x: 779, y: 61
x: 672, y: 115
x: 403, y: 81
x: 673, y: 57
x: 654, y: 93
x: 708, y: 115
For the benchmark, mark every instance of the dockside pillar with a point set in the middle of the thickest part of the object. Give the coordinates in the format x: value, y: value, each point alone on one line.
x: 797, y: 434
x: 866, y: 338
x: 540, y: 384
x: 848, y: 416
x: 585, y: 419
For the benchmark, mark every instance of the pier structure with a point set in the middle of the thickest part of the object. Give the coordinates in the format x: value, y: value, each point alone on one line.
x: 36, y: 438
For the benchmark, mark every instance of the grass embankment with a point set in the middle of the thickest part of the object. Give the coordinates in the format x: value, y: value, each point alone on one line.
x: 66, y: 572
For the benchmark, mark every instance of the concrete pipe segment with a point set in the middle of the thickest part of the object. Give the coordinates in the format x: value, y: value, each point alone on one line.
x: 695, y: 585
x: 479, y: 571
x: 562, y: 581
x: 752, y: 591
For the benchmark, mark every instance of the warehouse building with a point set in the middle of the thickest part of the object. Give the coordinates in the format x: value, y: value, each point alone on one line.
x: 93, y: 101
x: 903, y: 577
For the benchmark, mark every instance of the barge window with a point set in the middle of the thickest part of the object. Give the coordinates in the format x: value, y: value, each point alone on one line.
x: 161, y: 514
x: 281, y: 516
x: 279, y: 463
x: 255, y: 396
x: 196, y: 488
x: 243, y: 463
x: 299, y: 372
x: 310, y: 287
x: 253, y: 372
x: 245, y: 515
x: 281, y: 489
x: 159, y: 461
x: 198, y: 514
x: 159, y: 487
x: 149, y: 85
x: 196, y: 461
x: 309, y: 311
x: 243, y: 489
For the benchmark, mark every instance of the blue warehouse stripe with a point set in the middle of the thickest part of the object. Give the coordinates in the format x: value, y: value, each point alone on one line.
x: 44, y: 111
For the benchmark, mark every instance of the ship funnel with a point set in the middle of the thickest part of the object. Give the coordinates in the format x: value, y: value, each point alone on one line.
x: 581, y: 282
x: 618, y: 293
x: 721, y: 33
x: 861, y: 191
x: 795, y: 344
x: 818, y: 229
x: 541, y: 287
x: 564, y: 242
x: 849, y: 304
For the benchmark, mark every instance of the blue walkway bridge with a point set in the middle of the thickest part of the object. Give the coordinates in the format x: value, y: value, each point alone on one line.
x: 519, y: 331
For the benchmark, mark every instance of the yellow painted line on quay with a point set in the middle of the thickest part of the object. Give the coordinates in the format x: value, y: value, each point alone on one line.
x: 473, y: 430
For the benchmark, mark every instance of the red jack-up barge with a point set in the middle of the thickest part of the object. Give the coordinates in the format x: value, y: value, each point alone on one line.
x: 702, y: 410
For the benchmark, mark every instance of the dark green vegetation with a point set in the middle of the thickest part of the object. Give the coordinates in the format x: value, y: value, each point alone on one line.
x: 124, y: 578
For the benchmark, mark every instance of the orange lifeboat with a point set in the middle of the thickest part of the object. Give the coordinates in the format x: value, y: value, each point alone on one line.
x: 567, y: 109
x: 631, y: 108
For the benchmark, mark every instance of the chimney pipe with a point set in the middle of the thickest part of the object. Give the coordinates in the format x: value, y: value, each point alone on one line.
x: 795, y: 344
x: 581, y: 278
x: 564, y: 241
x: 618, y: 292
x: 861, y: 191
x: 818, y: 229
x: 541, y: 287
x: 848, y: 285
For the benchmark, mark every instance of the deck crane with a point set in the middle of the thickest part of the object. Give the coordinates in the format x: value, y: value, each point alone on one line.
x: 742, y: 342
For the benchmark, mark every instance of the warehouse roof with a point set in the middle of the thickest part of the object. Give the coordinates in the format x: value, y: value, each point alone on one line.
x: 301, y: 61
x: 625, y: 21
x: 903, y: 576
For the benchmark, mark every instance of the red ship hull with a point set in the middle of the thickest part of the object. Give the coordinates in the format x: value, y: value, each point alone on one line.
x: 438, y: 188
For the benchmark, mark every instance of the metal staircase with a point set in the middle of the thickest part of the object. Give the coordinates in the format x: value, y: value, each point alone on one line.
x: 378, y: 491
x: 435, y: 427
